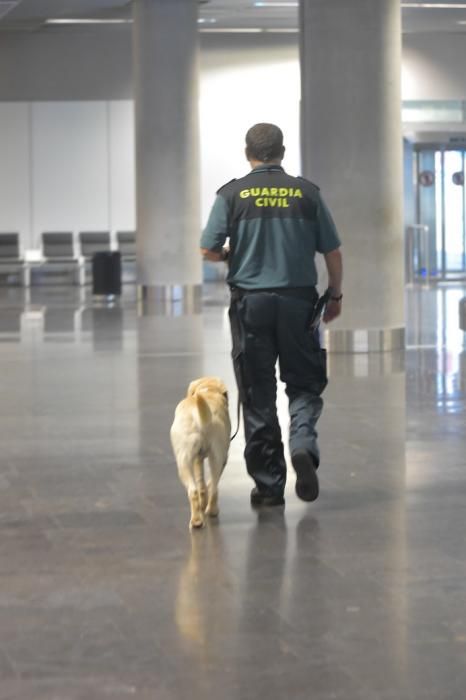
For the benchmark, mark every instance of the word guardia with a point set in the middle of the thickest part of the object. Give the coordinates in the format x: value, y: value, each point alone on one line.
x: 271, y: 196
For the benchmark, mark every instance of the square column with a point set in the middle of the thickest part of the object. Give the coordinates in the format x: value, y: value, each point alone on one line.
x: 351, y: 138
x: 166, y: 72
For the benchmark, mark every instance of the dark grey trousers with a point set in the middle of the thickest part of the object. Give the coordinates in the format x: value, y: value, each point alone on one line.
x: 267, y: 326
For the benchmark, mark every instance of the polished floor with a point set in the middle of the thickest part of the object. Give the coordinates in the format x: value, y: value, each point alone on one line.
x: 104, y: 592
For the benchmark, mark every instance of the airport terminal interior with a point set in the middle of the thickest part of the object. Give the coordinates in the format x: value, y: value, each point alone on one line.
x: 104, y: 590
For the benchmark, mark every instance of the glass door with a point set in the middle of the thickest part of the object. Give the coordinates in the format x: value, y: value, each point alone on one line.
x: 453, y: 244
x: 441, y: 213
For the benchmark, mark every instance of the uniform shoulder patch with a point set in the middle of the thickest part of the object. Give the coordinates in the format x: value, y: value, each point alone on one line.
x: 309, y: 182
x: 225, y: 185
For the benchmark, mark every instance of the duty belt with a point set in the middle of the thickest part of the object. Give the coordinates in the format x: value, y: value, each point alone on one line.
x: 304, y: 293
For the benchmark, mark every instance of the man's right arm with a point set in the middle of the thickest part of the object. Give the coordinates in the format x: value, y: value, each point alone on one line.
x: 216, y: 231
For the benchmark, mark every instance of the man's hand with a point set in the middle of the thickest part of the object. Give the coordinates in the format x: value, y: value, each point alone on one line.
x: 214, y: 256
x: 332, y: 311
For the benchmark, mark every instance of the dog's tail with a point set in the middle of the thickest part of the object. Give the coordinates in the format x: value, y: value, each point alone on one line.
x: 205, y: 416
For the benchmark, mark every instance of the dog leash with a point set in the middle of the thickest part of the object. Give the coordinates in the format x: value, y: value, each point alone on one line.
x: 238, y: 416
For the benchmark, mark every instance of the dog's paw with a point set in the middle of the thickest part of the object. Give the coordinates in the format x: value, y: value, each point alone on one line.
x: 212, y: 511
x: 196, y: 523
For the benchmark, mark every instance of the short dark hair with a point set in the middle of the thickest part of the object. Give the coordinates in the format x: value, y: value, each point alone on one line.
x: 264, y: 142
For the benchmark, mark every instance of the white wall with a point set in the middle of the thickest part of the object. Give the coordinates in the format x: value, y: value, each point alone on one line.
x: 69, y: 167
x: 15, y: 170
x: 66, y: 166
x: 243, y: 83
x: 122, y: 215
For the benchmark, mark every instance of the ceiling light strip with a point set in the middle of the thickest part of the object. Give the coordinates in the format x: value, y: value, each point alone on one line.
x: 255, y: 30
x: 276, y: 4
x: 88, y: 21
x: 432, y: 6
x: 231, y: 30
x: 203, y: 29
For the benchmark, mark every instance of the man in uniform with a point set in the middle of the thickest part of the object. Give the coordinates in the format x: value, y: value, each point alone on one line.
x: 276, y: 224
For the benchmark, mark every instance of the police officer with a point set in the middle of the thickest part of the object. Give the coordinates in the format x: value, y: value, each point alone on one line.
x: 275, y: 224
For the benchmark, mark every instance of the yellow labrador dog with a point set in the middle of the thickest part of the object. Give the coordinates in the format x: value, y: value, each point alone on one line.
x: 201, y: 429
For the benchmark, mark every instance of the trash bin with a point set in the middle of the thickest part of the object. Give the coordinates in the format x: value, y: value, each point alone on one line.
x: 462, y: 310
x: 106, y: 273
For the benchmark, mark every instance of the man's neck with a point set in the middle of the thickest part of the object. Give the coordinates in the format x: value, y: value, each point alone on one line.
x: 260, y: 164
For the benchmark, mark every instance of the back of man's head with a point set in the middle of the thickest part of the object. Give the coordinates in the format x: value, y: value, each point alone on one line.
x: 264, y: 143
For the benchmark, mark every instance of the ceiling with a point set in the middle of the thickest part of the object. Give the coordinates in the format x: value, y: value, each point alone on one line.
x: 215, y: 15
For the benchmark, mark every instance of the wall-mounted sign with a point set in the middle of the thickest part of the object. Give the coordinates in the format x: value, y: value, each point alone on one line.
x: 426, y: 178
x: 458, y: 178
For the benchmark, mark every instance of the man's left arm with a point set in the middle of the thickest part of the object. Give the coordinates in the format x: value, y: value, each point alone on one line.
x: 328, y: 244
x: 334, y: 264
x: 215, y: 233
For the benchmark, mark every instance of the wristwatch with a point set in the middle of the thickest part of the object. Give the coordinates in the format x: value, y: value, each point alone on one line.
x: 332, y: 297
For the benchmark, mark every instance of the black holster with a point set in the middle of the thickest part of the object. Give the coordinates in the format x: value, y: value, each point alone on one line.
x: 238, y: 336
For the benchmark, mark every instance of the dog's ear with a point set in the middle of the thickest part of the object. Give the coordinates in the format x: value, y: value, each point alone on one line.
x: 193, y: 387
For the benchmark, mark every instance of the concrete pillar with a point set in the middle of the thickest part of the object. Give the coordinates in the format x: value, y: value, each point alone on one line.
x: 166, y: 77
x: 352, y: 147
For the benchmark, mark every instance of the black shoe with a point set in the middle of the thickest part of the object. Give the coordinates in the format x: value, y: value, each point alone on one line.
x: 307, y: 483
x: 266, y: 499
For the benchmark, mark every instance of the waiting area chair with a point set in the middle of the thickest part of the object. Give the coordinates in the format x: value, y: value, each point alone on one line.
x: 58, y: 246
x: 58, y: 259
x: 91, y: 242
x: 126, y: 241
x: 11, y: 262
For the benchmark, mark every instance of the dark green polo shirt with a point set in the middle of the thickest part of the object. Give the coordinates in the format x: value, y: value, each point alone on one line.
x: 276, y: 223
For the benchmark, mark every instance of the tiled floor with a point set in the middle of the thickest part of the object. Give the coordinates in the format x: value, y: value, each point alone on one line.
x: 104, y: 593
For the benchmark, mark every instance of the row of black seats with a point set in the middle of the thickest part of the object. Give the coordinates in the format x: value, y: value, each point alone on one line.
x: 59, y: 246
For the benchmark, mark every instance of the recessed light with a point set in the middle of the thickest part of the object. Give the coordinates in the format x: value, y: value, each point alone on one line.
x: 205, y: 20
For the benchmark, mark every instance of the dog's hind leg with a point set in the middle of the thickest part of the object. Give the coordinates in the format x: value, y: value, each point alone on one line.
x: 198, y: 468
x: 216, y: 467
x: 197, y: 515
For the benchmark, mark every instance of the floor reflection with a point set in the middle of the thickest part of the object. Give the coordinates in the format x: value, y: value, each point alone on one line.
x: 202, y: 602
